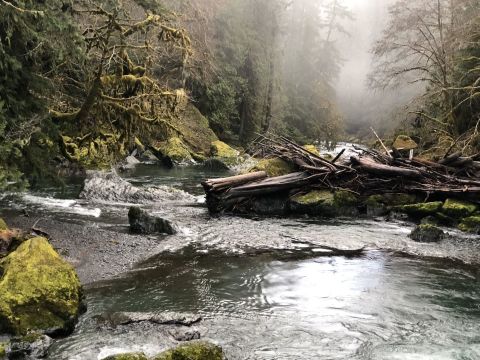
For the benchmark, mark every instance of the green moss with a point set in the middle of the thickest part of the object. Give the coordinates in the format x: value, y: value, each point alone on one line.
x: 139, y: 145
x: 343, y: 198
x: 3, y: 225
x: 404, y: 142
x: 427, y: 233
x: 220, y: 150
x: 198, y: 350
x: 175, y: 149
x: 3, y: 350
x: 458, y: 209
x: 470, y: 224
x: 315, y: 197
x: 273, y: 167
x: 312, y: 148
x: 129, y: 356
x: 420, y: 210
x: 316, y: 202
x: 38, y: 289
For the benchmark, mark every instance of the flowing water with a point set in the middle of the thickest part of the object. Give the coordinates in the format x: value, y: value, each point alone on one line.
x: 266, y: 288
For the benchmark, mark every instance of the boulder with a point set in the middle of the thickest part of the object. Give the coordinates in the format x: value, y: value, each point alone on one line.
x: 404, y: 142
x: 108, y: 186
x: 380, y: 204
x: 3, y: 350
x: 39, y: 291
x: 161, y: 318
x: 143, y: 223
x: 427, y: 233
x: 273, y: 167
x: 215, y: 164
x: 458, y: 209
x: 273, y: 204
x: 325, y: 203
x: 175, y: 149
x: 470, y: 224
x: 128, y: 356
x: 223, y: 152
x: 196, y: 350
x: 31, y: 346
x: 420, y: 210
x: 148, y: 156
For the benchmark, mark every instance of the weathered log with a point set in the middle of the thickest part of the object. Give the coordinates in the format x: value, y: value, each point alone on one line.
x: 375, y: 168
x: 451, y: 158
x: 215, y: 184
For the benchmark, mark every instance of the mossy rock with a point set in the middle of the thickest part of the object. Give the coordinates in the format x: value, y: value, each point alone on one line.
x: 470, y: 224
x: 273, y: 167
x: 380, y: 204
x: 312, y: 148
x: 427, y: 233
x: 175, y: 149
x: 221, y: 151
x: 404, y: 142
x: 128, y: 356
x: 420, y: 210
x: 3, y: 350
x: 198, y: 350
x: 3, y: 225
x: 324, y: 203
x: 39, y: 291
x: 458, y: 209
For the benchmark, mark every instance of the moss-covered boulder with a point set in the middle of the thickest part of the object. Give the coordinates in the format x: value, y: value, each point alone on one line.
x: 174, y: 149
x: 404, y: 142
x: 381, y: 204
x: 458, y: 209
x: 225, y: 153
x: 197, y: 350
x: 38, y: 290
x: 273, y: 167
x: 128, y: 356
x: 420, y: 210
x: 325, y: 203
x: 312, y: 148
x: 427, y: 233
x: 3, y: 350
x: 3, y: 225
x: 470, y: 224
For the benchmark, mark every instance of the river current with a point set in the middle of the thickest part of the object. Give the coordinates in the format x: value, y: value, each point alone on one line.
x: 267, y: 289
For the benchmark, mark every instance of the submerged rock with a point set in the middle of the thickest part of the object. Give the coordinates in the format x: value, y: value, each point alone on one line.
x: 427, y: 233
x: 458, y: 209
x: 108, y: 186
x: 223, y: 152
x: 142, y: 222
x: 128, y: 356
x: 39, y: 291
x: 162, y: 318
x: 470, y: 224
x: 196, y: 350
x: 273, y: 167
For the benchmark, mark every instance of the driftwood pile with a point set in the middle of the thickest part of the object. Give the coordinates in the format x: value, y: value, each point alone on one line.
x: 365, y: 172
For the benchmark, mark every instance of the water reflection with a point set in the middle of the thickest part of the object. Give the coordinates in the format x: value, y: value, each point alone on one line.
x: 375, y: 307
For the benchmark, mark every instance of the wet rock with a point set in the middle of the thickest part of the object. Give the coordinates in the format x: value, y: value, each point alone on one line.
x: 188, y: 335
x: 4, y: 346
x: 458, y: 209
x: 197, y: 350
x: 273, y: 167
x: 129, y: 163
x: 128, y: 356
x: 148, y: 156
x: 108, y: 186
x: 39, y: 291
x: 31, y: 346
x: 223, y: 152
x: 470, y: 224
x: 381, y: 204
x: 215, y: 164
x: 175, y: 149
x: 421, y: 210
x: 143, y: 223
x: 427, y: 233
x: 161, y: 318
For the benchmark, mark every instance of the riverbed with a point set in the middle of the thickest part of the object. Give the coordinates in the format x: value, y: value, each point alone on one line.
x: 266, y: 288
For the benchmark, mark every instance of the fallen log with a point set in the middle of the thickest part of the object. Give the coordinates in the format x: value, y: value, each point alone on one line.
x: 372, y: 167
x: 217, y: 184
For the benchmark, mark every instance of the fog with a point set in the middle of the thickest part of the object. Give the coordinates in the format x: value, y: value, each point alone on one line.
x: 361, y: 106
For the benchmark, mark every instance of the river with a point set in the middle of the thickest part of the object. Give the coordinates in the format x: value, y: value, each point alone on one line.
x: 266, y: 288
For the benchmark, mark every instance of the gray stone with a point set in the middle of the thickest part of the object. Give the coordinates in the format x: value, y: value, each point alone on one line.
x: 143, y: 223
